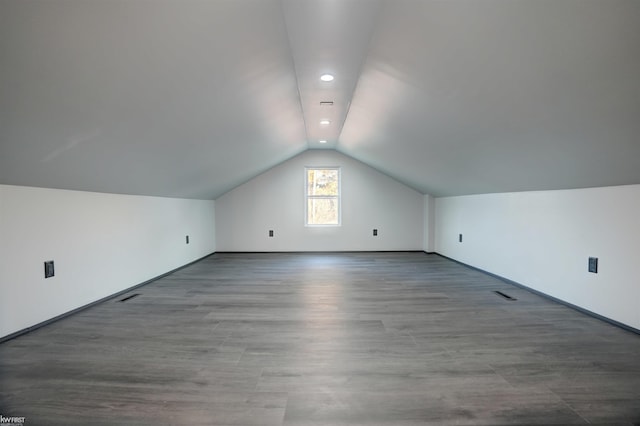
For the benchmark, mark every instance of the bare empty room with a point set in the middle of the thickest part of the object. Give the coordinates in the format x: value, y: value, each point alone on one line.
x: 319, y: 212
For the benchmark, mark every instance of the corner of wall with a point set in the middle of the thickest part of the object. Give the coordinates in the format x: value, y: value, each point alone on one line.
x: 429, y: 224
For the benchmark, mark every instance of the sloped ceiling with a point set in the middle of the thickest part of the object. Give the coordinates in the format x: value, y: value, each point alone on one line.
x: 190, y: 98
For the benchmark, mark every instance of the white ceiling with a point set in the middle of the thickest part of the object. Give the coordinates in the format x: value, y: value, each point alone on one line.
x: 189, y: 98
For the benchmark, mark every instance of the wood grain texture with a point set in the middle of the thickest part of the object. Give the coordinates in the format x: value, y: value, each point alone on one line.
x: 324, y: 339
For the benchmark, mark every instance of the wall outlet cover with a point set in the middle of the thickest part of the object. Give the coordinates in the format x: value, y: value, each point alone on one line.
x: 593, y: 265
x: 48, y: 269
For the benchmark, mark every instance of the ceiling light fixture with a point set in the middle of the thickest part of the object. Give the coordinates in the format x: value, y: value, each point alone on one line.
x: 325, y: 122
x: 322, y: 141
x: 326, y: 77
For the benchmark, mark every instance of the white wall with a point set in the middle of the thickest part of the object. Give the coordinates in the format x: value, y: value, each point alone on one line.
x: 100, y: 243
x: 275, y: 200
x: 543, y: 240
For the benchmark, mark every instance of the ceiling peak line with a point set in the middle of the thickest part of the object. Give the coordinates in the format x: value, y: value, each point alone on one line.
x: 328, y: 38
x: 376, y: 20
x: 295, y: 71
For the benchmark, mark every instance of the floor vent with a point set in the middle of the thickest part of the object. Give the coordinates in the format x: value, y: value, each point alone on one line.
x: 506, y: 296
x: 130, y: 297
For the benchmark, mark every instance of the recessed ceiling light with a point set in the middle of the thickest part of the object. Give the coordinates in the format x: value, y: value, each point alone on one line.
x: 325, y: 122
x: 326, y: 77
x: 322, y: 141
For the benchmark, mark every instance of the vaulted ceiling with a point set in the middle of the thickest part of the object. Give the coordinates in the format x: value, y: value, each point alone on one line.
x: 189, y: 98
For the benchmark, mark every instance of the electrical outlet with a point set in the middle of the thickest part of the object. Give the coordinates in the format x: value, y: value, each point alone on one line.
x: 375, y: 232
x: 271, y: 232
x: 459, y: 238
x: 48, y: 269
x: 593, y: 265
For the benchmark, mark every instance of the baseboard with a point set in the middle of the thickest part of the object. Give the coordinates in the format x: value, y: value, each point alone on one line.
x: 506, y: 280
x: 89, y: 305
x: 318, y: 251
x: 547, y: 296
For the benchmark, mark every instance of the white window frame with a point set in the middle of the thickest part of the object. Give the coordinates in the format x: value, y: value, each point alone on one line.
x: 338, y: 198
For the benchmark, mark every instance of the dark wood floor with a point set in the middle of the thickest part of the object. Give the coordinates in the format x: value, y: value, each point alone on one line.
x: 324, y: 339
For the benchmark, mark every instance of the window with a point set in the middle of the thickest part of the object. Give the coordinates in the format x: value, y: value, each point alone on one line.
x: 323, y: 196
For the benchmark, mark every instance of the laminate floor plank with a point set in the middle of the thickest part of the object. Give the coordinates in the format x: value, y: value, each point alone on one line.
x: 398, y: 339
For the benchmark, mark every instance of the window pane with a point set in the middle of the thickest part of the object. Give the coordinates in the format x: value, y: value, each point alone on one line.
x: 322, y: 182
x: 322, y: 211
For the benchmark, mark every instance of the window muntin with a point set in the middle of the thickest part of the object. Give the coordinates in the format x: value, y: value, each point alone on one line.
x: 322, y: 196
